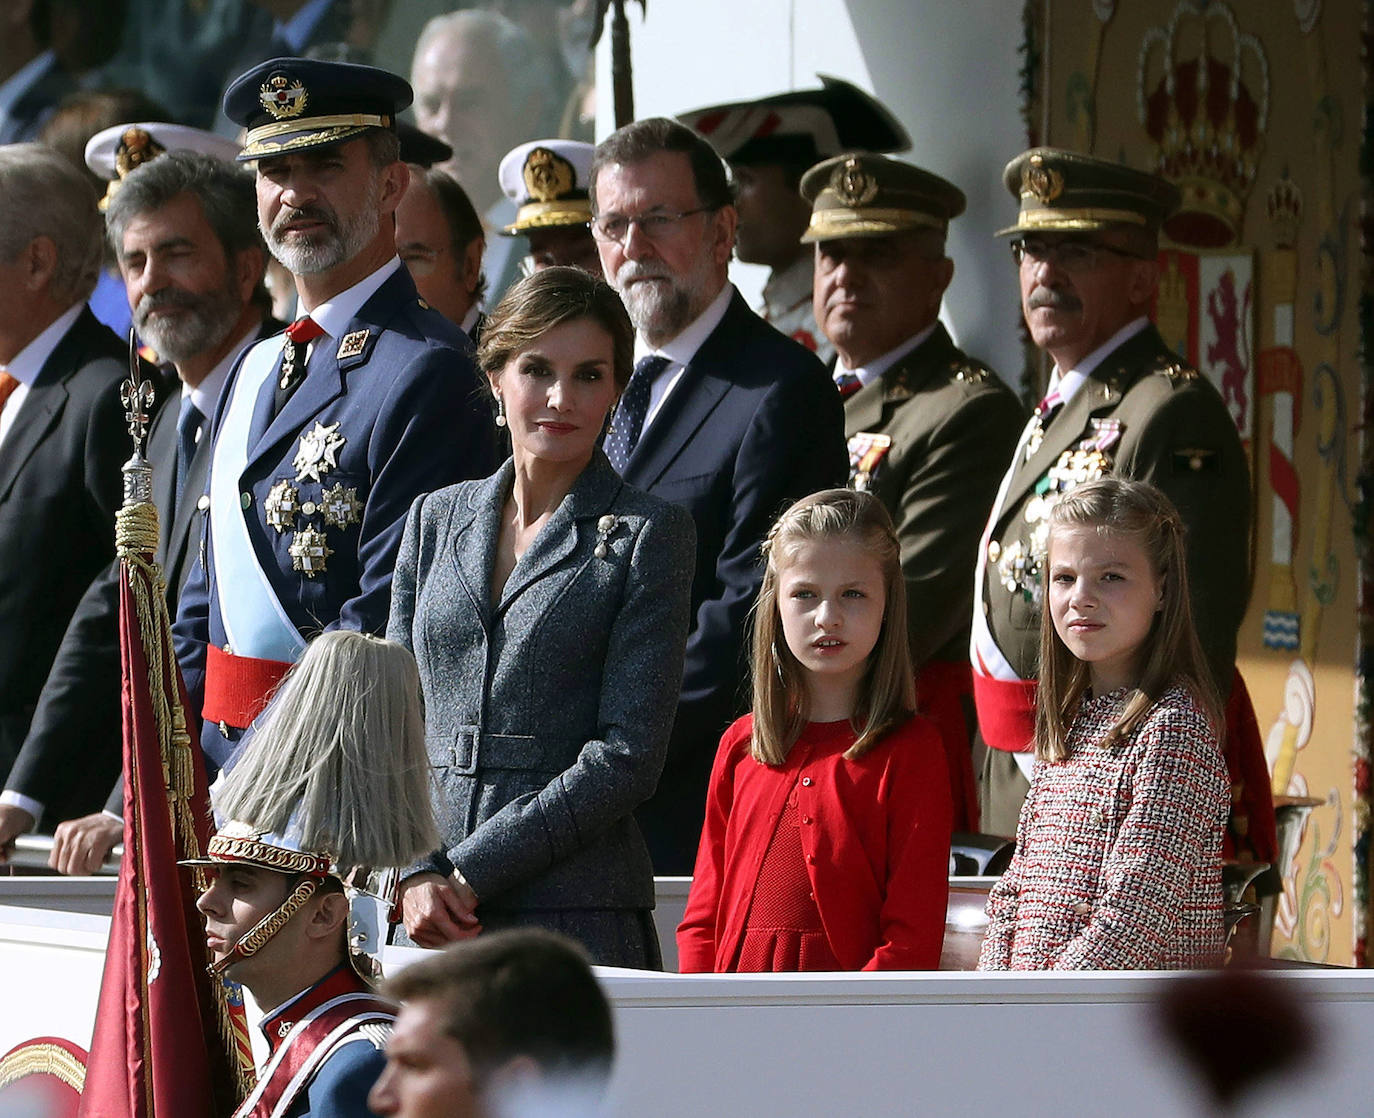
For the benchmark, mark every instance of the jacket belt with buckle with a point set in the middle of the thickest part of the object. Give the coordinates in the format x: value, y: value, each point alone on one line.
x: 238, y: 687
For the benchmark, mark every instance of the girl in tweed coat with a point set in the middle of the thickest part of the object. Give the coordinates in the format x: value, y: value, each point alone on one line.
x: 1118, y: 849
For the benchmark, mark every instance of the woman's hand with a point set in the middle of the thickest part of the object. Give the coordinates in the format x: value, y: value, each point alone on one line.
x: 438, y: 910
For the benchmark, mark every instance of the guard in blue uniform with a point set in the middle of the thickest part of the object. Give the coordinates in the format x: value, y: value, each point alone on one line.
x: 324, y: 435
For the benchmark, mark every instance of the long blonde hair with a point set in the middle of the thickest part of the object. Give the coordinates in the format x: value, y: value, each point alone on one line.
x: 341, y: 748
x: 887, y: 693
x: 1171, y: 653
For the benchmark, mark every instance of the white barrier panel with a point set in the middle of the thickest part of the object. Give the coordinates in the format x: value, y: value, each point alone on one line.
x: 801, y: 1045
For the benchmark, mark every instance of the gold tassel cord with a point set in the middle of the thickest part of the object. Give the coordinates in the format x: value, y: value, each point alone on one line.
x: 136, y: 538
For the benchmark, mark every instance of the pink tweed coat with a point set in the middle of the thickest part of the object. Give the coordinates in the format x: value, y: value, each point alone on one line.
x: 1118, y: 850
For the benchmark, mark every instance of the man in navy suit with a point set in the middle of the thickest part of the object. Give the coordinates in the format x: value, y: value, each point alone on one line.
x: 324, y: 437
x: 723, y: 415
x: 184, y: 230
x: 62, y: 435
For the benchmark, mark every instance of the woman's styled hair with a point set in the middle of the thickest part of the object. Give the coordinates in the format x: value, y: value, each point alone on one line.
x: 887, y: 693
x: 549, y: 298
x: 1171, y: 652
x: 340, y: 754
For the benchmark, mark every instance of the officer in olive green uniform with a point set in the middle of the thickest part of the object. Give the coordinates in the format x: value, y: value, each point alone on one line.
x: 1119, y: 402
x: 929, y: 428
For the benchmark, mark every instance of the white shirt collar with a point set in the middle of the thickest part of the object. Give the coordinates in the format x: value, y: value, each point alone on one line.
x: 470, y: 319
x: 205, y: 395
x: 683, y: 348
x: 1068, y: 383
x: 867, y: 374
x: 24, y: 78
x: 29, y: 361
x: 335, y: 314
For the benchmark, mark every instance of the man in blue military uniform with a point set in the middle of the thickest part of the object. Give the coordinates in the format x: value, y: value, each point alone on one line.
x: 325, y: 436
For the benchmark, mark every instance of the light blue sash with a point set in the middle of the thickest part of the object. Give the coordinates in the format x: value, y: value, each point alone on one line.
x: 253, y: 617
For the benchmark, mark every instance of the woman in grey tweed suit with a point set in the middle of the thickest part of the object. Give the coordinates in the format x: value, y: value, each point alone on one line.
x: 547, y: 607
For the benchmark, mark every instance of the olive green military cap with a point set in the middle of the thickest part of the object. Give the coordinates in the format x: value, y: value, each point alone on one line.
x: 863, y: 195
x: 1064, y: 191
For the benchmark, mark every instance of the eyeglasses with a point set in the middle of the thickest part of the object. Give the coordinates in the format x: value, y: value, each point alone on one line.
x: 1071, y: 256
x: 656, y: 225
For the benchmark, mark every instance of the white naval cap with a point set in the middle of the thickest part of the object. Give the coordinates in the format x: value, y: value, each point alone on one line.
x: 115, y: 151
x: 547, y: 180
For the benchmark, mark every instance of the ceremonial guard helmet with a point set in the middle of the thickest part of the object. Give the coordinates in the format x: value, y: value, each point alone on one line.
x: 333, y: 783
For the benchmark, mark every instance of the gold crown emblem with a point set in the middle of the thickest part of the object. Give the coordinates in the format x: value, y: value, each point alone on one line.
x: 1206, y: 119
x: 136, y: 147
x: 282, y: 98
x: 1284, y: 206
x: 853, y: 185
x: 1043, y: 183
x: 548, y: 176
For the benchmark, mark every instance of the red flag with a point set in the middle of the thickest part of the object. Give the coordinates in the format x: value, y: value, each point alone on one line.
x: 169, y: 1040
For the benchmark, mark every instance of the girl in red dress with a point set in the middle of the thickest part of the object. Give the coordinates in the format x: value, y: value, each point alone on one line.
x: 1118, y: 851
x: 826, y: 840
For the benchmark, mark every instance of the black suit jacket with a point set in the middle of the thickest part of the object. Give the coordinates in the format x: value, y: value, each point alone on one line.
x: 72, y: 754
x: 60, y: 486
x: 753, y: 424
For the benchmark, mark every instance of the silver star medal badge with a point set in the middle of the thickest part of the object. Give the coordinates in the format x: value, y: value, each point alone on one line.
x: 318, y: 452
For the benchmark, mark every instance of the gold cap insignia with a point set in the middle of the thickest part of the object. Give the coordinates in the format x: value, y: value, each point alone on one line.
x: 282, y: 97
x: 548, y: 176
x: 1045, y: 183
x: 136, y: 147
x: 852, y: 184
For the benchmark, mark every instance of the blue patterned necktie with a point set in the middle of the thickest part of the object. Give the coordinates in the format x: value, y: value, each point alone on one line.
x: 632, y: 409
x: 188, y: 432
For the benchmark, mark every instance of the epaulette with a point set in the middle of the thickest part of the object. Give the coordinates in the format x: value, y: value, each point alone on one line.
x: 968, y: 372
x: 1177, y: 372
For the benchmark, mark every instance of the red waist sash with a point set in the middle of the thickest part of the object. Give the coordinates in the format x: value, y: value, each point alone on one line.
x: 238, y: 687
x: 1006, y: 712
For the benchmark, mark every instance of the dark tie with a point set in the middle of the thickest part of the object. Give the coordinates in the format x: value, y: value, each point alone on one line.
x: 188, y: 434
x: 298, y: 335
x: 630, y: 412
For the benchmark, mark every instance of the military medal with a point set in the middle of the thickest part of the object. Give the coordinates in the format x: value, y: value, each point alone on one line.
x: 282, y: 504
x: 309, y: 552
x: 288, y: 365
x: 866, y: 451
x: 340, y: 506
x: 318, y: 452
x: 1106, y: 433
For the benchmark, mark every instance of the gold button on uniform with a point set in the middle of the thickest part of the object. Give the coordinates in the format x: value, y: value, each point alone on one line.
x: 994, y: 551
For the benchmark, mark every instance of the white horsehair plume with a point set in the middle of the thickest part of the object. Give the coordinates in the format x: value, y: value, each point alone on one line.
x: 338, y: 757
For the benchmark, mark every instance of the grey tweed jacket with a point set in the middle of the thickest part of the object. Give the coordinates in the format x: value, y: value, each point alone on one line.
x: 548, y: 712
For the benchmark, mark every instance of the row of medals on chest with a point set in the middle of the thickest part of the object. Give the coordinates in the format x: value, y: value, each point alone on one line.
x: 1021, y: 562
x: 287, y: 508
x: 316, y: 454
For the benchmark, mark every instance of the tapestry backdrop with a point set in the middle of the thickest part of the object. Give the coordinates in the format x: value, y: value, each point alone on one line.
x: 1257, y: 111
